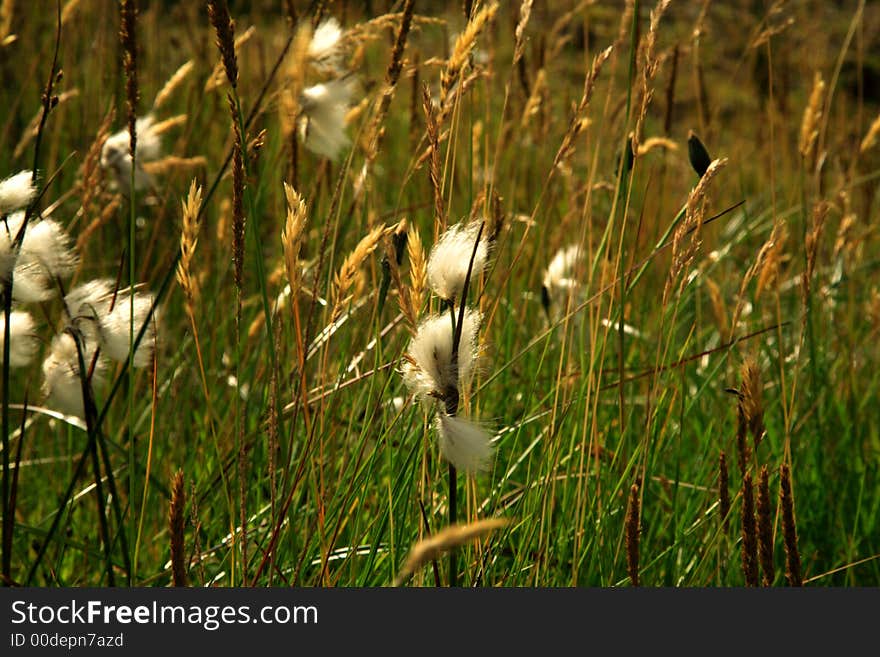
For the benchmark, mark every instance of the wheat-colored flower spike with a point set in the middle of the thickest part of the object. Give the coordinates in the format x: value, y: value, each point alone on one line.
x: 525, y: 12
x: 464, y: 45
x: 870, y: 139
x: 653, y: 143
x: 418, y: 273
x: 174, y: 163
x: 292, y: 236
x: 173, y: 83
x: 345, y: 277
x: 189, y: 238
x: 164, y: 126
x: 812, y: 117
x: 446, y: 539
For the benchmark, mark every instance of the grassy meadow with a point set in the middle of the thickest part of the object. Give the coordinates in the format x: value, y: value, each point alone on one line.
x: 669, y: 318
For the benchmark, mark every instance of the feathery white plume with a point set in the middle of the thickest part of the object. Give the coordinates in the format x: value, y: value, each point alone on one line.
x: 105, y: 317
x: 451, y: 256
x: 116, y: 155
x: 322, y: 123
x: 324, y: 50
x: 561, y: 268
x: 428, y: 371
x: 45, y: 254
x: 558, y: 282
x: 61, y: 380
x: 115, y: 328
x: 23, y: 341
x: 16, y: 192
x: 86, y: 303
x: 464, y: 443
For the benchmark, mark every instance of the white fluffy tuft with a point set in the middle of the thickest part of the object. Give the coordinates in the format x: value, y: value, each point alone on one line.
x: 429, y: 371
x: 559, y: 278
x: 17, y: 192
x: 322, y: 123
x: 115, y: 328
x: 464, y: 443
x: 451, y: 256
x: 45, y: 254
x: 23, y: 341
x: 61, y: 380
x: 105, y: 317
x: 116, y: 158
x: 324, y: 48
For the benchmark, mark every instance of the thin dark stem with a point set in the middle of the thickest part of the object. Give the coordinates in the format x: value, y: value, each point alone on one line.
x: 453, y: 518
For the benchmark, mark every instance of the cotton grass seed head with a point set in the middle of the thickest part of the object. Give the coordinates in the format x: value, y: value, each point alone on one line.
x: 428, y: 370
x: 464, y: 443
x: 322, y: 120
x: 105, y: 317
x: 451, y: 257
x: 45, y: 254
x: 23, y: 340
x: 61, y: 374
x: 116, y: 156
x: 559, y: 278
x: 324, y: 51
x: 17, y: 192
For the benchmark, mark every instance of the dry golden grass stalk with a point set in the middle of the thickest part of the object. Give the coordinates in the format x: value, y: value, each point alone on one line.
x: 128, y: 38
x: 189, y: 238
x: 7, y: 9
x: 392, y: 75
x: 765, y: 528
x: 446, y: 539
x: 812, y: 119
x: 773, y: 256
x: 418, y: 276
x: 345, y: 278
x: 751, y: 399
x: 820, y: 213
x: 749, y: 533
x: 174, y: 163
x: 683, y: 253
x: 633, y: 514
x: 106, y: 215
x: 69, y: 11
x: 723, y: 489
x: 293, y: 80
x: 224, y: 26
x: 789, y: 529
x: 560, y: 33
x: 91, y: 173
x: 175, y: 530
x: 719, y: 310
x: 525, y: 12
x: 376, y: 28
x: 176, y: 79
x: 537, y: 99
x: 292, y: 237
x: 578, y: 121
x: 870, y: 138
x: 34, y: 124
x: 652, y: 143
x: 164, y: 126
x: 461, y: 52
x: 649, y: 70
x: 433, y: 131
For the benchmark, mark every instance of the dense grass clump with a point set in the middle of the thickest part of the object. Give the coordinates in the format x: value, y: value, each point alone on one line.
x: 549, y: 294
